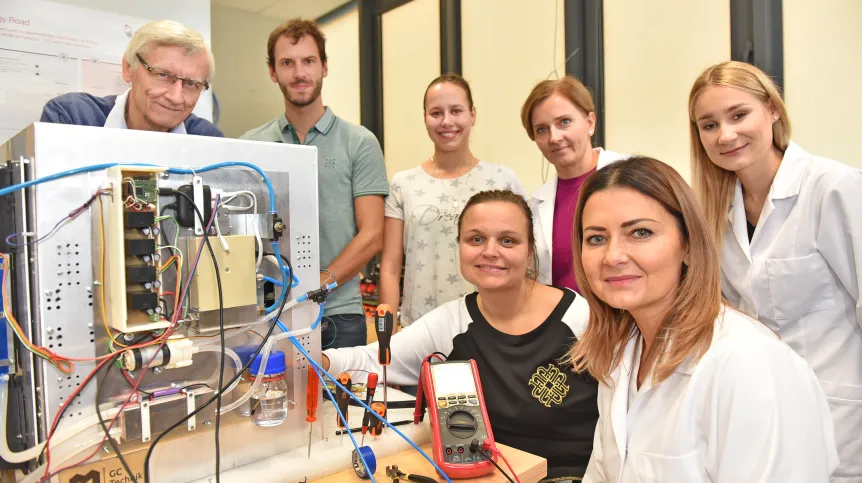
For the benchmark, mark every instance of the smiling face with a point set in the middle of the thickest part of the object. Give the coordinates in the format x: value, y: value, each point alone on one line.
x: 632, y: 251
x: 562, y: 132
x: 298, y: 70
x: 448, y: 116
x: 494, y: 245
x: 155, y: 105
x: 735, y: 127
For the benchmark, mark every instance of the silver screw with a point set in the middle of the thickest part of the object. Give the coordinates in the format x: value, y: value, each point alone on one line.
x: 59, y: 272
x: 208, y: 423
x: 49, y: 293
x: 49, y: 330
x: 59, y: 246
x: 158, y: 370
x: 89, y: 289
x: 106, y: 449
x: 165, y: 175
x: 128, y: 337
x: 90, y: 325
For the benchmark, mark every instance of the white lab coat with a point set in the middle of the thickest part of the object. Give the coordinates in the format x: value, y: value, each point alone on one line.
x: 800, y: 275
x: 542, y: 204
x: 749, y: 411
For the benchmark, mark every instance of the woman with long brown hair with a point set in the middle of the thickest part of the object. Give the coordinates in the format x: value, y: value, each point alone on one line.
x: 789, y: 228
x: 690, y: 390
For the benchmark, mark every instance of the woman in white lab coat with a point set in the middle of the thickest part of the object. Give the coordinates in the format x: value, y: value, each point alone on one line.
x: 789, y: 226
x: 691, y: 390
x: 559, y: 115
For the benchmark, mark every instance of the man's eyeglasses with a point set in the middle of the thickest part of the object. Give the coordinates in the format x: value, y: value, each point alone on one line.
x: 167, y: 79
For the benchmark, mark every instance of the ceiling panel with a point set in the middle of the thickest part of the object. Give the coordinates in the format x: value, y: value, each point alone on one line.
x: 310, y: 9
x: 256, y: 6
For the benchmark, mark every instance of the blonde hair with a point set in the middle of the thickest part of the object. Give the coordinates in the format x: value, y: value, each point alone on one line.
x: 713, y: 185
x: 168, y: 32
x: 686, y: 331
x: 571, y: 88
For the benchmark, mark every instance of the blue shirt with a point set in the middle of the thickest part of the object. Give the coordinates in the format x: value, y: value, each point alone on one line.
x: 82, y: 109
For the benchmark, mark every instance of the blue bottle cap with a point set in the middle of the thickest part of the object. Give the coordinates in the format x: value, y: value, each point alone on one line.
x: 244, y: 352
x: 275, y: 363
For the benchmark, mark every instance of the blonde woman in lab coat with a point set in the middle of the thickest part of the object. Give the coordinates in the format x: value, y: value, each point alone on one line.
x: 691, y: 390
x: 559, y: 115
x: 789, y: 226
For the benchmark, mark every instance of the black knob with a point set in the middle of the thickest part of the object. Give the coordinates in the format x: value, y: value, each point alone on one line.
x: 461, y: 424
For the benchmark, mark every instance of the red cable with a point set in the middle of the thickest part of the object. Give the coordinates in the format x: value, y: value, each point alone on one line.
x: 163, y: 337
x: 501, y: 455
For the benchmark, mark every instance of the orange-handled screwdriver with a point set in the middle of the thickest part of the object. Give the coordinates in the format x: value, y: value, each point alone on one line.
x: 311, y: 395
x: 371, y: 387
x: 384, y: 325
x: 343, y: 400
x: 376, y: 427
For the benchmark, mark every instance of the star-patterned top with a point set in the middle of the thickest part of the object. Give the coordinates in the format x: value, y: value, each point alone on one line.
x: 430, y: 208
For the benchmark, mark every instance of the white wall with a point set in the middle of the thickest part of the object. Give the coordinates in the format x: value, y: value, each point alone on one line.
x: 653, y: 53
x: 341, y: 86
x: 192, y: 13
x: 507, y: 48
x: 823, y: 76
x: 246, y: 95
x: 411, y: 60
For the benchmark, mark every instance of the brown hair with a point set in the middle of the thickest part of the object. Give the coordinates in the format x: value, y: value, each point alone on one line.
x: 507, y: 196
x: 295, y: 29
x: 451, y: 78
x: 688, y: 327
x: 713, y: 185
x: 568, y: 86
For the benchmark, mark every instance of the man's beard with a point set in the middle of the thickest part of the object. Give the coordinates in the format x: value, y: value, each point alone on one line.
x: 315, y: 93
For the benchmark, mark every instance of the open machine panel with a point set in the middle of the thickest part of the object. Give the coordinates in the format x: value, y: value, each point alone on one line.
x: 56, y: 286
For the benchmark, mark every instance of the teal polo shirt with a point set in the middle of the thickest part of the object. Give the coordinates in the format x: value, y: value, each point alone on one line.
x: 350, y: 164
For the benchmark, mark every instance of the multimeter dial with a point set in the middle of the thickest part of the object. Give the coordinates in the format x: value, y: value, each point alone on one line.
x: 461, y: 424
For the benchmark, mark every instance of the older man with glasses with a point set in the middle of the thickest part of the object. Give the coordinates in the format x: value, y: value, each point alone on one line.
x: 168, y: 66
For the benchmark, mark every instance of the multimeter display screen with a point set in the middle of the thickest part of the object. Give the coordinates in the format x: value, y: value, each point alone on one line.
x: 452, y: 379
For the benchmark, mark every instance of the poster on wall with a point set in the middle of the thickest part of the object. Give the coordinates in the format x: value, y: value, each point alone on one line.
x: 48, y: 49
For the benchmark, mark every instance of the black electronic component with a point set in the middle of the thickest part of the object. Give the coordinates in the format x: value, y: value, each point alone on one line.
x: 141, y: 247
x: 185, y: 210
x: 142, y: 300
x: 141, y: 274
x: 139, y: 219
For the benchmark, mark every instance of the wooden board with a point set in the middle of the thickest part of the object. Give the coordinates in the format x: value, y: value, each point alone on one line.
x: 530, y: 468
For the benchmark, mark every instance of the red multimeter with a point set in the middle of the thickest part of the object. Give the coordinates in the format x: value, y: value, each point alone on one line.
x: 458, y: 416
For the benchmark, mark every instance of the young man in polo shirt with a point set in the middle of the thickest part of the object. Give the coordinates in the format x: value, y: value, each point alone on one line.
x: 351, y: 173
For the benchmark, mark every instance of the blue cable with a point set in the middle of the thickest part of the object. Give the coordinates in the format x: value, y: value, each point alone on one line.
x: 233, y: 163
x: 274, y: 281
x: 99, y: 167
x: 313, y: 326
x: 343, y: 419
x: 317, y: 367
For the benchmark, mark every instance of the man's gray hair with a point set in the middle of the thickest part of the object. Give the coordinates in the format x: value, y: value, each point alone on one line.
x: 168, y: 32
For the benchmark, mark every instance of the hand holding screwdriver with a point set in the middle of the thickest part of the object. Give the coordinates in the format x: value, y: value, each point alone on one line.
x: 311, y: 396
x: 371, y: 387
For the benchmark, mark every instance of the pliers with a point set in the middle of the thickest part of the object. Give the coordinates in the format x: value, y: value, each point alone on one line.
x: 396, y: 475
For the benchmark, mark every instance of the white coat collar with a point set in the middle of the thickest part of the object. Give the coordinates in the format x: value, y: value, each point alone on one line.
x: 787, y: 183
x: 788, y: 179
x: 621, y: 376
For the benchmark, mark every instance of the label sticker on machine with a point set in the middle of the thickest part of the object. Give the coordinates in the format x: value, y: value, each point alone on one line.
x: 106, y: 471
